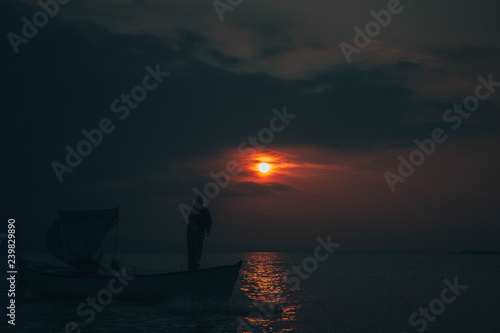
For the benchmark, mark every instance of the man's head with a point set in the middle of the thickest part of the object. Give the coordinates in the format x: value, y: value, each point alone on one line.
x: 198, y: 201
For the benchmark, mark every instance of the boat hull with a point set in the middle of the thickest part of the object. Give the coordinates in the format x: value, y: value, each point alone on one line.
x: 53, y: 282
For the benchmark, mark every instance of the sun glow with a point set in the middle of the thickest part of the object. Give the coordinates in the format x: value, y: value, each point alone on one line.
x: 264, y: 167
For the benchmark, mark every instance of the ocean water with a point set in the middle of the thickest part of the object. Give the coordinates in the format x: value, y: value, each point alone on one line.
x: 349, y: 292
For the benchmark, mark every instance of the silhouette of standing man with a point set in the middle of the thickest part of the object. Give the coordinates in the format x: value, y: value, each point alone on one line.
x: 199, y: 226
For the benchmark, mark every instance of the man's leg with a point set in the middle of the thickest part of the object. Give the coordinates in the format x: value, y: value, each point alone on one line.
x: 191, y: 247
x: 197, y: 249
x: 200, y: 239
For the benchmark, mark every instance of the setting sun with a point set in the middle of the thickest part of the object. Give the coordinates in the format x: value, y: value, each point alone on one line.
x: 264, y: 167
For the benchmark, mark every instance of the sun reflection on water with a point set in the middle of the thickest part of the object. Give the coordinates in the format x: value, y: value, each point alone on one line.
x: 262, y: 282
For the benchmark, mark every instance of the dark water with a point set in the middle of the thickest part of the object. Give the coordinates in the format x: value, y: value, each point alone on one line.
x: 366, y: 293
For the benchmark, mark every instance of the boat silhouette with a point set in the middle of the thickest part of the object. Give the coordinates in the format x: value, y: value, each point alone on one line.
x: 76, y: 236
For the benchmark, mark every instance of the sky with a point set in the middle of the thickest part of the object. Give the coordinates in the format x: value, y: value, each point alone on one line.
x: 348, y: 122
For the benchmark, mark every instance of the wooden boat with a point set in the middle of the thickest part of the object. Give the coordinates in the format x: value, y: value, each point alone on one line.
x: 56, y: 282
x: 75, y: 238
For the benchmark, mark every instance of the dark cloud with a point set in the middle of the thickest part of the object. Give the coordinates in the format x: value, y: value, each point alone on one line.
x: 408, y: 65
x: 188, y: 41
x: 249, y: 188
x: 467, y: 52
x: 73, y: 71
x: 224, y: 59
x: 65, y: 78
x: 80, y: 68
